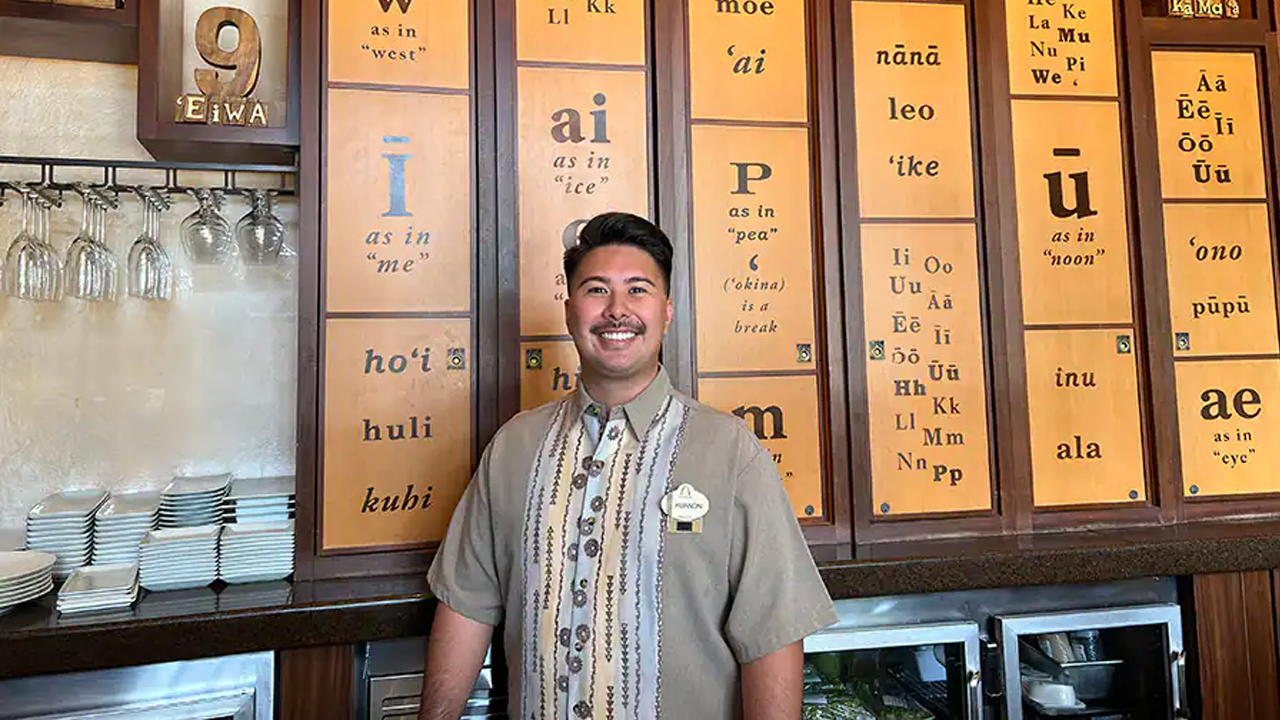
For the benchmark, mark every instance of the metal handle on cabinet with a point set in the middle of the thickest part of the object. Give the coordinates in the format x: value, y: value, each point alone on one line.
x: 1183, y: 709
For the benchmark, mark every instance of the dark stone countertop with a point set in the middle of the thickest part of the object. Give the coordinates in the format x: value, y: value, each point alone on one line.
x: 187, y: 624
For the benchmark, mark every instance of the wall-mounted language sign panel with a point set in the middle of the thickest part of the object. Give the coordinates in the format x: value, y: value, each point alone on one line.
x: 583, y: 149
x: 549, y: 370
x: 582, y: 31
x: 1061, y: 47
x: 926, y: 385
x: 1208, y: 124
x: 1086, y: 429
x: 783, y: 414
x: 911, y: 90
x: 400, y: 42
x: 1073, y: 234
x: 1229, y: 425
x: 1221, y: 291
x: 753, y: 249
x: 748, y: 60
x: 398, y: 188
x: 397, y: 430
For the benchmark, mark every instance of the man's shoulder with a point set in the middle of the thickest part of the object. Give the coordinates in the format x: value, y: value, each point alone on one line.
x: 719, y: 432
x: 526, y: 428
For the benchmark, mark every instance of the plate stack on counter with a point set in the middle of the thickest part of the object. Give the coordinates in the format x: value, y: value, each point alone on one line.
x: 256, y: 552
x: 178, y: 558
x: 193, y: 501
x: 24, y: 575
x: 263, y: 499
x: 120, y: 525
x: 98, y: 588
x: 62, y: 524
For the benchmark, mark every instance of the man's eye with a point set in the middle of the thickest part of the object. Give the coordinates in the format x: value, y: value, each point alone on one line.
x: 639, y: 289
x: 595, y: 290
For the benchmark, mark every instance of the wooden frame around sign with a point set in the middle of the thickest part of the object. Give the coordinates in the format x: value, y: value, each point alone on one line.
x: 830, y: 537
x: 312, y: 562
x: 851, y: 530
x: 158, y: 84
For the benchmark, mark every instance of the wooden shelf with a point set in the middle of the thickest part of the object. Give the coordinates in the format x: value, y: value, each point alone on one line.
x: 67, y: 32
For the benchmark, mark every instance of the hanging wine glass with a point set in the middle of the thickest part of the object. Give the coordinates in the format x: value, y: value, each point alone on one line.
x: 206, y: 235
x: 22, y: 267
x: 260, y: 233
x: 150, y: 269
x: 98, y: 233
x: 82, y: 270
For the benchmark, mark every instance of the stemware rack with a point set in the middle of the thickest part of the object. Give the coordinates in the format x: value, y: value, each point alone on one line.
x: 172, y: 185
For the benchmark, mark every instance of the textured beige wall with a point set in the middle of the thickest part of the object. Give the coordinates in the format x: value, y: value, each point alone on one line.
x: 128, y: 394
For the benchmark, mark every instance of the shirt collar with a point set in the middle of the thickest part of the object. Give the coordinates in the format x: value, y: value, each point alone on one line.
x: 640, y: 411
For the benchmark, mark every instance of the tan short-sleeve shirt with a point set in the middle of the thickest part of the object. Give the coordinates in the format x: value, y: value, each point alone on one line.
x: 612, y: 610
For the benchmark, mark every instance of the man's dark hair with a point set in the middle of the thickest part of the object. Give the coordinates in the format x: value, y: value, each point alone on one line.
x: 619, y: 228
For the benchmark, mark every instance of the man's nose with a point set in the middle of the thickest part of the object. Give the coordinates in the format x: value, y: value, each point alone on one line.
x: 617, y: 306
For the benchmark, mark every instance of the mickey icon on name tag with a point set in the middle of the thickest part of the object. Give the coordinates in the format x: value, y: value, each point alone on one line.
x: 684, y: 508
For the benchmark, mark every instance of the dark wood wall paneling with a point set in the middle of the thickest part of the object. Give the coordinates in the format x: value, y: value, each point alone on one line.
x: 316, y: 682
x: 1233, y: 636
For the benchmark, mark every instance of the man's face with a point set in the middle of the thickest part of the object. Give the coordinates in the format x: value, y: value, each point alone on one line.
x: 617, y: 311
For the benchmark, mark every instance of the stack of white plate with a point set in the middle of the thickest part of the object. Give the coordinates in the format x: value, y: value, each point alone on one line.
x: 179, y: 558
x: 24, y: 575
x: 121, y: 523
x: 193, y: 501
x: 264, y: 499
x: 62, y: 524
x: 101, y: 587
x: 256, y: 552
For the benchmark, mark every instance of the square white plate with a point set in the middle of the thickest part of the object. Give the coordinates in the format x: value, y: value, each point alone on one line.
x: 69, y: 503
x: 263, y: 487
x: 198, y: 485
x: 121, y: 506
x: 101, y: 578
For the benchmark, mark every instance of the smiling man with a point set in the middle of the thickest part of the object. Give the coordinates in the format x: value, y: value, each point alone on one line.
x: 638, y: 546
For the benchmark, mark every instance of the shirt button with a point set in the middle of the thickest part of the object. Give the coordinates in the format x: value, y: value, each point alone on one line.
x: 564, y: 636
x: 579, y: 481
x: 597, y: 504
x: 582, y: 709
x: 596, y: 467
x: 615, y: 432
x: 592, y: 548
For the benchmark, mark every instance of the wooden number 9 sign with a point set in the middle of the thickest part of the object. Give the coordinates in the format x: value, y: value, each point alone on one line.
x: 245, y: 58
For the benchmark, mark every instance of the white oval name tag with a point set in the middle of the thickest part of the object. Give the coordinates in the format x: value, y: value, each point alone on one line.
x: 685, y: 504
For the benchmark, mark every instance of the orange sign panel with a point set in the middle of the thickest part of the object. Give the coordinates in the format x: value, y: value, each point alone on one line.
x: 551, y: 370
x: 400, y: 42
x: 398, y: 192
x: 583, y: 149
x: 397, y: 430
x: 1208, y: 124
x: 1228, y: 420
x: 589, y: 31
x: 1086, y: 429
x: 753, y: 249
x: 926, y: 385
x: 783, y: 414
x: 1061, y: 48
x: 748, y: 60
x: 911, y: 90
x: 1221, y: 291
x: 1073, y: 233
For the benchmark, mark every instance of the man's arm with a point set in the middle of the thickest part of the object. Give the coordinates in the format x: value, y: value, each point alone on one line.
x: 455, y: 653
x: 773, y: 686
